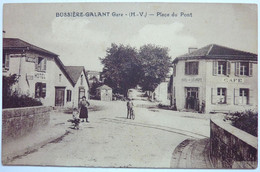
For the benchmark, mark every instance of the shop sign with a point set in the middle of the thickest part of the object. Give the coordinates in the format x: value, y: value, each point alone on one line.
x: 191, y: 80
x: 233, y: 80
x: 40, y: 75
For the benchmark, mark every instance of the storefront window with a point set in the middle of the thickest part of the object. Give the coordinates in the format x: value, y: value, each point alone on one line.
x: 244, y: 96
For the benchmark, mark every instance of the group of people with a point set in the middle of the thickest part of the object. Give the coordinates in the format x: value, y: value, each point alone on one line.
x: 83, y: 113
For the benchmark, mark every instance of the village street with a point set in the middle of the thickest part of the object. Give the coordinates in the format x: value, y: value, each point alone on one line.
x: 111, y: 140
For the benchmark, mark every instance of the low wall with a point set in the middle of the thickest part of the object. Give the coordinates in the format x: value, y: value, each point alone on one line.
x: 231, y: 147
x: 18, y: 122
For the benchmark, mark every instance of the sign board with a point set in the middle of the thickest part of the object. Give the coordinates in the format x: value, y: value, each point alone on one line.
x: 40, y: 75
x: 233, y: 80
x: 191, y: 79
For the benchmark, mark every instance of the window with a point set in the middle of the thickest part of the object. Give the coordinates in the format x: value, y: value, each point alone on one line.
x: 81, y: 80
x: 221, y: 68
x: 244, y: 69
x: 6, y: 61
x: 221, y: 93
x: 243, y: 96
x: 40, y: 90
x: 40, y: 64
x: 69, y: 95
x: 191, y: 68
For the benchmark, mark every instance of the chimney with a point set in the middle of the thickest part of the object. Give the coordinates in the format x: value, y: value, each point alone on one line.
x: 192, y: 49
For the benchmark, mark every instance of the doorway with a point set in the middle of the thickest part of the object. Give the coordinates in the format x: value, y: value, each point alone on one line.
x: 59, y: 96
x: 192, y: 100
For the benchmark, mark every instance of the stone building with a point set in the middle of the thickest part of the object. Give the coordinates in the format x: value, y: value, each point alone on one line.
x: 215, y: 79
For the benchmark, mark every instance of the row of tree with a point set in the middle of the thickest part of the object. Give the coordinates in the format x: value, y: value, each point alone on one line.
x: 126, y: 67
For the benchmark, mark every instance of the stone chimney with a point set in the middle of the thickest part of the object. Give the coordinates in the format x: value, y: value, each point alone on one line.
x: 192, y: 49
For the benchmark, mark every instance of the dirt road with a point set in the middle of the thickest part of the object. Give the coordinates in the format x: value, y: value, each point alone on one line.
x: 111, y: 140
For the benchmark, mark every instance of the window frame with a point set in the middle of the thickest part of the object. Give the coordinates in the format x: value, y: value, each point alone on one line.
x: 190, y: 68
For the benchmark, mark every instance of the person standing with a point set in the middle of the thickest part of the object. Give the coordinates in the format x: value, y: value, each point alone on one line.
x: 84, y: 109
x: 129, y: 105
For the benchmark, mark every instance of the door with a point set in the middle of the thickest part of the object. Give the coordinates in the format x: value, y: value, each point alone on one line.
x: 192, y: 101
x: 59, y: 96
x: 81, y: 94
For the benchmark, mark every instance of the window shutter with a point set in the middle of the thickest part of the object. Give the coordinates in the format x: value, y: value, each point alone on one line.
x: 251, y: 97
x: 186, y: 68
x: 7, y: 61
x: 44, y: 64
x: 236, y: 96
x: 250, y: 69
x: 213, y: 96
x: 36, y: 63
x: 215, y: 68
x: 228, y: 67
x: 43, y: 90
x: 228, y: 94
x: 237, y: 68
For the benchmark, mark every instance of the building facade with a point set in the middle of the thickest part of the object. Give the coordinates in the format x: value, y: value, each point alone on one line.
x: 105, y: 93
x: 215, y: 79
x: 41, y: 73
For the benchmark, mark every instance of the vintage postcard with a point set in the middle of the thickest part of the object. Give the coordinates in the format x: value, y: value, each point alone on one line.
x: 130, y: 85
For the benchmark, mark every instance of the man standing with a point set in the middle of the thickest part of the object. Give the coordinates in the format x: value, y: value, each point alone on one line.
x: 129, y: 105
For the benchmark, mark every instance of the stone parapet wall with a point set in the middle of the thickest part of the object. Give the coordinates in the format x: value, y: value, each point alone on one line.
x: 231, y: 147
x: 18, y: 122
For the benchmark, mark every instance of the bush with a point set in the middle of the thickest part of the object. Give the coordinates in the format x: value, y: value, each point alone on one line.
x: 13, y: 99
x: 246, y: 121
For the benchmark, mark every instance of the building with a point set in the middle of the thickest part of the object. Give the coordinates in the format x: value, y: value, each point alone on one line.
x: 105, y: 93
x: 80, y: 83
x: 41, y: 73
x: 215, y: 78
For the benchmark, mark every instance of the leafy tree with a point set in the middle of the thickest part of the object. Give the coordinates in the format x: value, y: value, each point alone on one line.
x: 122, y: 68
x: 155, y: 66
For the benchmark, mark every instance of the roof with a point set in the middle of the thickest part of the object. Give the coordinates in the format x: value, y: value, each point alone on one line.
x: 104, y: 87
x: 16, y: 43
x: 214, y: 51
x: 75, y: 72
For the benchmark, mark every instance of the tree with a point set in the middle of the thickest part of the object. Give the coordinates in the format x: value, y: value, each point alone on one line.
x: 122, y: 68
x: 155, y: 66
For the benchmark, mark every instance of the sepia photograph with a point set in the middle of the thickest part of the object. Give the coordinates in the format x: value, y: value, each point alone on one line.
x: 154, y: 85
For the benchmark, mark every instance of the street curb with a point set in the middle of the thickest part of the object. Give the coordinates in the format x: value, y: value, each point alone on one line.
x: 6, y: 159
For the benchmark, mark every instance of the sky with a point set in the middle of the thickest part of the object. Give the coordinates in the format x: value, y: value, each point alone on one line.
x: 81, y: 41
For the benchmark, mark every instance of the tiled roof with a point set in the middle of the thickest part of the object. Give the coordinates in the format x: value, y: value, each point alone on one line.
x: 104, y: 87
x: 216, y: 51
x: 15, y: 43
x: 75, y: 72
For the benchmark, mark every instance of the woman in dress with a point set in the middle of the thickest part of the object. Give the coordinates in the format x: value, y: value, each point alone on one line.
x: 83, y: 109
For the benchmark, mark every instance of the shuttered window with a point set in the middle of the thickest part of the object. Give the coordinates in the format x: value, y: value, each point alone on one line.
x: 6, y: 61
x: 221, y: 68
x: 191, y: 68
x: 40, y: 64
x: 243, y: 96
x: 220, y: 96
x: 244, y: 69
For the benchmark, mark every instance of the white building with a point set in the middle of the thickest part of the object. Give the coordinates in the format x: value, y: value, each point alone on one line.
x: 41, y: 73
x: 220, y: 78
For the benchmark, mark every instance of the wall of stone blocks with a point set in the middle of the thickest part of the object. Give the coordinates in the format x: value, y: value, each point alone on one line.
x: 231, y: 147
x: 18, y: 122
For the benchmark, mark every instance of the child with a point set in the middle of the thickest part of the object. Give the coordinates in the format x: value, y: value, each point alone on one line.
x: 75, y: 121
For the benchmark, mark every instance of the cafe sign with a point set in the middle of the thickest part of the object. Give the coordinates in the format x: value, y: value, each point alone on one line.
x: 233, y: 80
